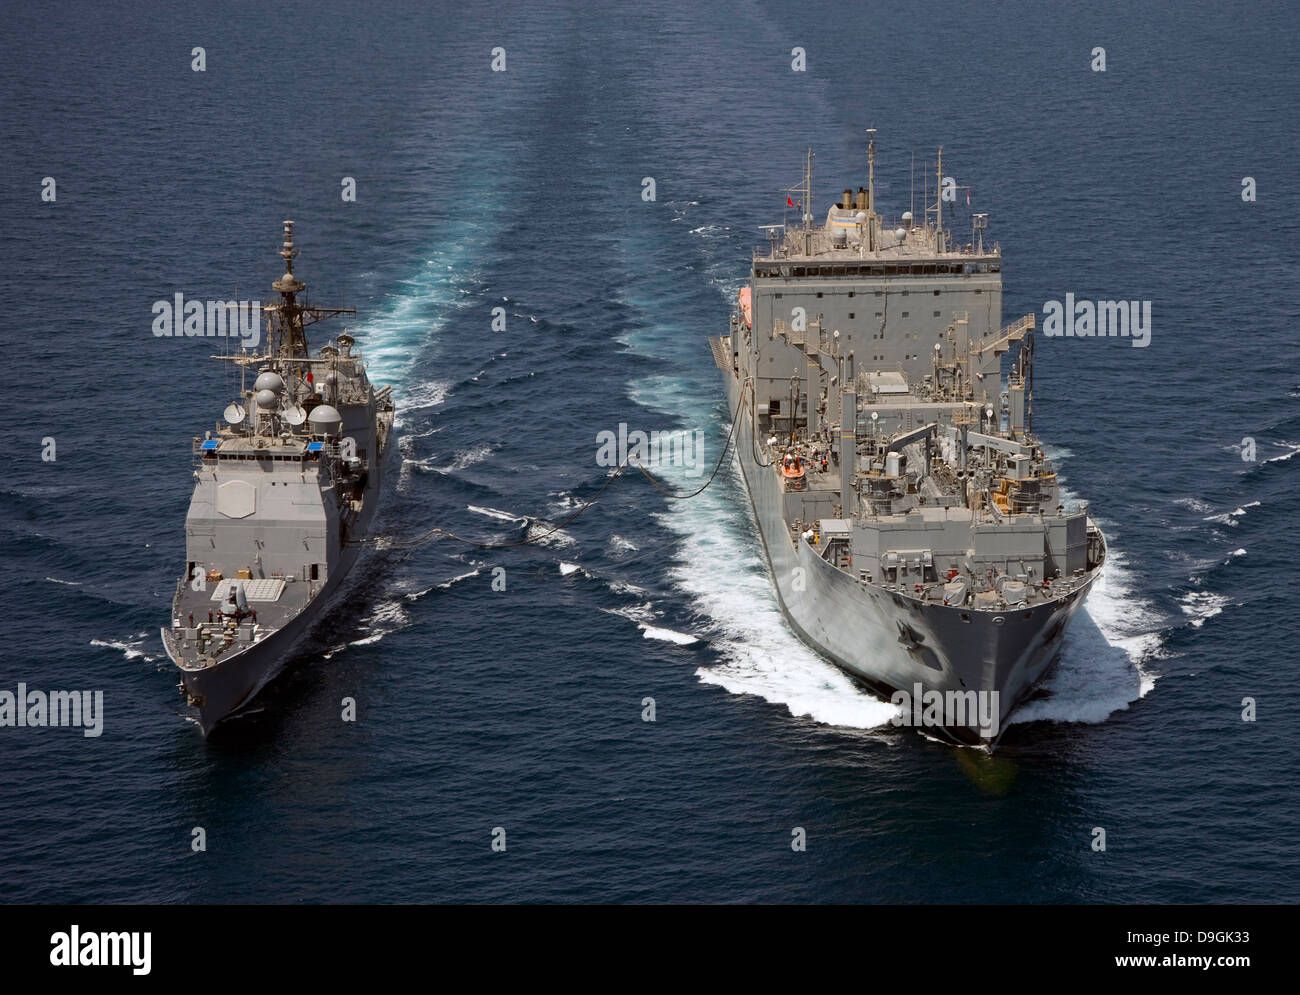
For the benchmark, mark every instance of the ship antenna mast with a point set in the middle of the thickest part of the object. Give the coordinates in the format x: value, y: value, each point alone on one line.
x: 1029, y: 393
x: 293, y: 318
x: 871, y: 170
x: 289, y: 286
x: 938, y: 201
x: 871, y: 190
x: 807, y: 191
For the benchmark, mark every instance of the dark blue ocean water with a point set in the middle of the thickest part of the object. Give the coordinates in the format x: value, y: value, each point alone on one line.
x: 522, y: 708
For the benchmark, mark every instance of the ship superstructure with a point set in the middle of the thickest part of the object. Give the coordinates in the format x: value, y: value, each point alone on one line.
x: 913, y: 524
x: 284, y: 488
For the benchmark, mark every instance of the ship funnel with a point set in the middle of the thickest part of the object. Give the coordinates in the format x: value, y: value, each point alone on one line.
x: 847, y: 202
x: 862, y: 199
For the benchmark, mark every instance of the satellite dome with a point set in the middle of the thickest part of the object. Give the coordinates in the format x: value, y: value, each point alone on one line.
x: 862, y: 217
x: 265, y: 398
x: 269, y: 381
x: 325, y: 419
x: 900, y: 233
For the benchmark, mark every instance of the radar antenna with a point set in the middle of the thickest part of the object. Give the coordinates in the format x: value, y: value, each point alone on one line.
x: 288, y: 320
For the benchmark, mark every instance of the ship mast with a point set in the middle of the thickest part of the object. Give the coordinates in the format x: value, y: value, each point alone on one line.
x: 871, y: 170
x: 871, y: 187
x: 938, y: 215
x: 288, y: 320
x: 807, y: 191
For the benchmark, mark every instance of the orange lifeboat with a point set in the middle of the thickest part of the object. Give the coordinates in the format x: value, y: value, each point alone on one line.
x: 747, y: 306
x: 792, y: 469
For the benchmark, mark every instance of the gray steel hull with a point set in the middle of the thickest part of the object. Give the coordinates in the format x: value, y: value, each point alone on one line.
x: 890, y: 642
x: 231, y: 685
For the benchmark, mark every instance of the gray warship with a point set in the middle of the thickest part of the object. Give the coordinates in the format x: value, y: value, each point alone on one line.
x: 913, y: 524
x: 284, y: 491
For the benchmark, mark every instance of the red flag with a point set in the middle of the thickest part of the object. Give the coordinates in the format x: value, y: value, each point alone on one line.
x: 788, y: 201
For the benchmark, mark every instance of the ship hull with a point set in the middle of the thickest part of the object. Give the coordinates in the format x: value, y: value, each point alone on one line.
x: 893, y: 643
x: 225, y: 689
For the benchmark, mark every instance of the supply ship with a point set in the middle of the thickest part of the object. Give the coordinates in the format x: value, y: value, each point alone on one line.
x: 913, y: 525
x: 285, y: 490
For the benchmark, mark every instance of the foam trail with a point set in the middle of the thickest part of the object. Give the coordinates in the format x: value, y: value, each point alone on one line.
x: 668, y: 635
x: 1105, y: 661
x: 722, y: 570
x: 130, y: 649
x: 1232, y: 517
x: 1202, y: 606
x: 1105, y: 664
x: 1285, y: 456
x: 503, y: 516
